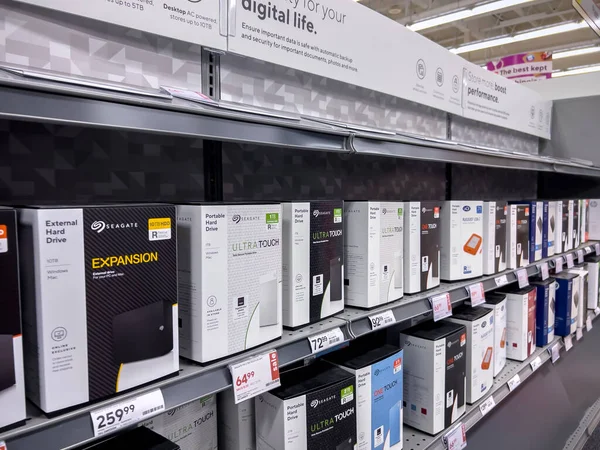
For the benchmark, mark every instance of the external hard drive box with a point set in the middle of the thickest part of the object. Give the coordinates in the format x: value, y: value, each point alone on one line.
x: 313, y: 409
x: 544, y: 311
x: 593, y: 217
x: 495, y: 215
x: 462, y: 240
x: 568, y: 214
x: 192, y: 426
x: 520, y: 323
x: 497, y: 303
x: 581, y: 300
x: 479, y: 323
x: 584, y: 221
x: 549, y: 228
x: 435, y: 375
x: 237, y: 429
x: 565, y: 320
x: 313, y: 261
x: 99, y: 300
x: 576, y: 224
x: 140, y: 438
x: 422, y: 240
x: 518, y: 236
x: 12, y: 380
x: 558, y: 228
x: 373, y: 252
x: 536, y: 227
x: 592, y: 265
x: 229, y: 278
x: 379, y: 390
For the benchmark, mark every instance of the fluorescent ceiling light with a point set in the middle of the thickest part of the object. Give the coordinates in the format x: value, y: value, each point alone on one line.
x: 575, y: 52
x: 464, y: 14
x: 581, y: 70
x: 525, y: 36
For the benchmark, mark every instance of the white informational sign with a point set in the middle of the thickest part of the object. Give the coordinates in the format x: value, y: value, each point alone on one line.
x: 501, y: 280
x: 382, y: 319
x: 570, y: 262
x: 558, y: 265
x: 477, y: 294
x: 456, y: 439
x: 127, y: 412
x: 487, y: 405
x: 195, y: 21
x: 323, y: 341
x: 523, y: 278
x: 441, y: 305
x: 568, y: 341
x: 254, y: 376
x: 514, y: 382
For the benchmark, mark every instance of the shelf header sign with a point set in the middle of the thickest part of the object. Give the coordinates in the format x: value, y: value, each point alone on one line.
x: 523, y: 67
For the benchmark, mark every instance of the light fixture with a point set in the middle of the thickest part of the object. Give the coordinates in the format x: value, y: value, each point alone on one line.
x: 395, y: 11
x: 578, y: 71
x: 524, y: 36
x: 464, y: 14
x: 575, y: 52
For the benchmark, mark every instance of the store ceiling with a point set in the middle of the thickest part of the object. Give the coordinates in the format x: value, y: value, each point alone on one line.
x: 510, y: 20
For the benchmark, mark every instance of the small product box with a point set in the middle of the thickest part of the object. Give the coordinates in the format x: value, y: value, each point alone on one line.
x: 536, y: 227
x: 544, y: 311
x: 435, y: 375
x: 313, y: 261
x: 313, y: 409
x: 192, y: 426
x: 558, y: 229
x: 576, y: 224
x: 565, y: 319
x: 479, y: 323
x: 593, y: 217
x: 568, y: 214
x: 520, y: 323
x: 495, y: 215
x: 379, y: 390
x: 12, y: 378
x: 422, y: 240
x: 373, y: 253
x: 584, y: 220
x: 549, y: 229
x: 462, y: 240
x: 497, y: 303
x: 237, y: 429
x: 229, y: 278
x: 100, y: 308
x: 592, y: 264
x: 518, y: 236
x: 581, y: 300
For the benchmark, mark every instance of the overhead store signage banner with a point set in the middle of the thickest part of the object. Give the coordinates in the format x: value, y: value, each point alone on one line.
x: 590, y: 11
x: 195, y: 21
x: 523, y: 67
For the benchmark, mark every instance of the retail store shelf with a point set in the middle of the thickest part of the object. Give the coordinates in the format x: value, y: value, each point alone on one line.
x: 586, y: 428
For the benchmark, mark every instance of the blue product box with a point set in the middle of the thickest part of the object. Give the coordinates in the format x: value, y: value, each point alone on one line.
x: 564, y: 297
x: 545, y: 223
x: 544, y: 311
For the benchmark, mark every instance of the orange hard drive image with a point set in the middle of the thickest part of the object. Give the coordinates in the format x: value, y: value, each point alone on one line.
x: 503, y: 340
x: 473, y: 244
x: 487, y: 359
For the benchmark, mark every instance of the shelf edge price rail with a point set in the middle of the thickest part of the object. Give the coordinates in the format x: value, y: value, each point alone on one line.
x: 255, y: 375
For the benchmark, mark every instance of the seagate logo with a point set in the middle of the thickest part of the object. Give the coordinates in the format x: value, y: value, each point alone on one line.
x: 236, y: 218
x: 314, y: 403
x: 466, y: 208
x: 318, y: 213
x: 98, y: 226
x: 317, y: 402
x: 384, y: 211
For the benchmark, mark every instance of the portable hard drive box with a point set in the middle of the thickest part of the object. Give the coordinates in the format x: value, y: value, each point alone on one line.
x: 313, y: 261
x: 520, y: 323
x: 592, y: 265
x: 422, y: 240
x: 237, y: 429
x: 230, y: 285
x: 99, y: 300
x: 497, y: 303
x: 581, y: 300
x: 435, y: 375
x: 313, y: 409
x: 544, y: 311
x: 373, y: 250
x: 462, y: 240
x: 549, y: 228
x: 495, y: 215
x: 518, y: 236
x: 584, y: 221
x: 565, y: 319
x: 567, y: 225
x: 535, y: 221
x: 558, y: 228
x: 593, y: 218
x: 576, y: 224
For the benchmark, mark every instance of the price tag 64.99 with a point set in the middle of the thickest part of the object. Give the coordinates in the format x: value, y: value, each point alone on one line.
x: 441, y: 305
x: 127, y: 412
x: 477, y: 294
x: 255, y: 375
x: 323, y: 341
x: 456, y: 439
x: 382, y: 319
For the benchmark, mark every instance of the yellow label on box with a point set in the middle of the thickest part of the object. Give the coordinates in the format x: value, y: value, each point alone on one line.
x: 159, y: 229
x: 159, y: 224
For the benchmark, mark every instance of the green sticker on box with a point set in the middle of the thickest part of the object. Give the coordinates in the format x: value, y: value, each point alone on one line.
x: 337, y: 212
x: 347, y: 391
x: 399, y: 212
x: 273, y: 218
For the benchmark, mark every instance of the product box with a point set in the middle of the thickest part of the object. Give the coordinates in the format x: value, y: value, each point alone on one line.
x: 544, y: 311
x: 422, y: 240
x: 435, y: 375
x: 378, y: 374
x: 313, y: 261
x: 565, y: 320
x: 479, y: 323
x: 462, y: 240
x: 558, y: 229
x: 229, y: 278
x: 140, y: 438
x: 236, y: 428
x: 548, y: 228
x: 495, y: 216
x: 536, y: 227
x: 593, y: 217
x: 520, y: 323
x: 497, y: 303
x: 568, y: 242
x: 576, y: 224
x: 518, y: 236
x: 584, y: 205
x: 192, y: 426
x: 313, y: 409
x: 12, y: 380
x: 373, y: 252
x: 580, y: 301
x: 99, y: 300
x: 592, y: 264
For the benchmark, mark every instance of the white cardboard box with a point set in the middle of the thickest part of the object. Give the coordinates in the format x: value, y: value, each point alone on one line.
x: 576, y: 224
x: 580, y: 297
x: 594, y: 219
x: 236, y: 423
x: 549, y: 229
x: 584, y: 220
x: 497, y: 303
x: 593, y: 268
x: 558, y: 230
x: 520, y: 323
x: 518, y: 235
x: 495, y: 215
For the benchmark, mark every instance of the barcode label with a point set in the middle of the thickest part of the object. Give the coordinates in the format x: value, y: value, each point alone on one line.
x: 151, y: 410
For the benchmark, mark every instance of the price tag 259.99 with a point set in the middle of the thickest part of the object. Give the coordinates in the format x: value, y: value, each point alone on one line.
x: 321, y: 342
x: 255, y: 375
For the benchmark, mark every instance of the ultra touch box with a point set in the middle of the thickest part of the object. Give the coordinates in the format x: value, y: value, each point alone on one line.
x: 544, y: 311
x: 373, y: 253
x: 565, y: 319
x: 99, y: 300
x: 549, y: 228
x: 229, y: 278
x: 236, y: 428
x: 520, y: 323
x: 497, y: 303
x: 462, y: 240
x: 495, y: 215
x: 313, y: 261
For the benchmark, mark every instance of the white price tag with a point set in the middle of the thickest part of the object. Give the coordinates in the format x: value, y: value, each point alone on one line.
x: 255, y: 375
x: 570, y: 263
x: 514, y: 382
x: 477, y: 294
x: 597, y: 248
x: 580, y: 256
x: 501, y: 280
x: 487, y: 405
x: 127, y: 412
x: 579, y: 333
x: 323, y: 341
x: 588, y: 324
x: 441, y: 305
x: 588, y: 250
x: 544, y: 271
x: 536, y: 363
x: 558, y: 265
x: 186, y: 94
x: 597, y: 311
x: 382, y: 319
x: 456, y: 439
x: 568, y: 341
x: 554, y: 352
x: 523, y: 278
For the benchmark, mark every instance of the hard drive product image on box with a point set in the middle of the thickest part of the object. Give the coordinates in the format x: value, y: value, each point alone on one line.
x: 565, y: 315
x: 373, y: 251
x: 520, y: 322
x: 495, y: 215
x: 236, y: 422
x: 435, y: 375
x: 544, y: 311
x: 105, y: 293
x: 313, y: 409
x: 422, y: 240
x: 592, y: 265
x: 230, y: 285
x: 497, y: 303
x: 548, y: 228
x: 462, y: 239
x: 313, y: 261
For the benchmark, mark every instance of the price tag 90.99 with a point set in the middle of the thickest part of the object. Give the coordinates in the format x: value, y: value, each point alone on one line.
x: 441, y: 305
x: 255, y: 376
x: 323, y: 341
x: 382, y: 319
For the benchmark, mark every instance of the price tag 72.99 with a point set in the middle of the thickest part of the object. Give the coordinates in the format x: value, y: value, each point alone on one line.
x: 323, y: 341
x: 255, y: 375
